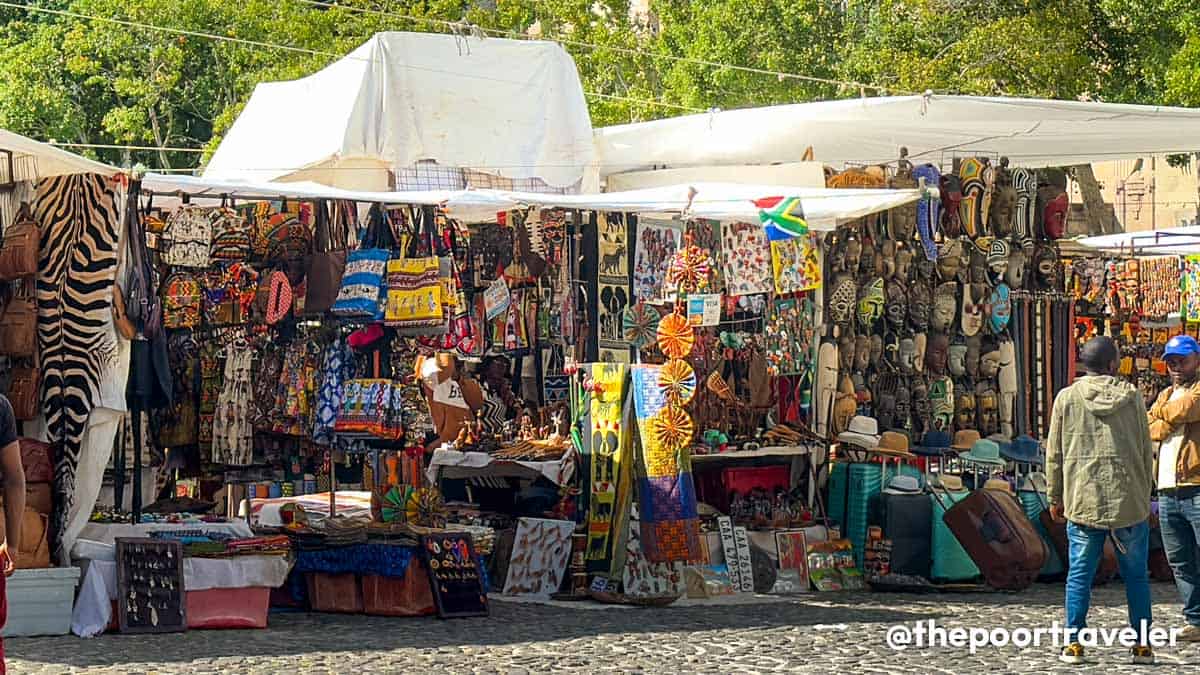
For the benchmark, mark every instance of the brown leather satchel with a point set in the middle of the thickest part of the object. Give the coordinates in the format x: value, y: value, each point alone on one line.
x: 19, y: 252
x: 18, y: 323
x: 328, y: 260
x: 24, y: 392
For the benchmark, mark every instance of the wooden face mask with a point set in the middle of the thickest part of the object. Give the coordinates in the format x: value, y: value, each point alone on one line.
x: 973, y: 308
x: 944, y: 304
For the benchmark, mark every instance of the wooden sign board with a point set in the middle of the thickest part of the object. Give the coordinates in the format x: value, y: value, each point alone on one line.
x: 730, y: 549
x: 454, y: 575
x: 150, y: 596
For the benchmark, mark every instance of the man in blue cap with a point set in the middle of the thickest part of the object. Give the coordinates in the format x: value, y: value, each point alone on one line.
x: 1175, y: 425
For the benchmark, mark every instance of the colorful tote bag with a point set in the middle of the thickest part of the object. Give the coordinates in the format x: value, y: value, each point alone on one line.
x: 372, y: 407
x: 230, y: 235
x: 415, y: 293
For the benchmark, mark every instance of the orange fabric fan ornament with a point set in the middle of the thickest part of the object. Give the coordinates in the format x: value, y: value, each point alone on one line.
x: 677, y: 380
x: 689, y: 269
x: 675, y: 336
x: 673, y: 428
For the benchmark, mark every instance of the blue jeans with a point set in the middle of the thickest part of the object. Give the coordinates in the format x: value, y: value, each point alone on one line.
x: 1086, y: 548
x: 1179, y: 518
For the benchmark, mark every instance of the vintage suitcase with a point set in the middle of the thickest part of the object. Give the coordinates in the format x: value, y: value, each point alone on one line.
x: 1001, y: 541
x: 950, y: 562
x: 907, y: 520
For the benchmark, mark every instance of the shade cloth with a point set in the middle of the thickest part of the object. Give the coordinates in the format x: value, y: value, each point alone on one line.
x: 511, y: 107
x: 33, y: 160
x: 934, y: 128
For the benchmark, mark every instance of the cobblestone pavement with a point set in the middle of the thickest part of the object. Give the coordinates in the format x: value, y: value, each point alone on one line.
x: 841, y: 632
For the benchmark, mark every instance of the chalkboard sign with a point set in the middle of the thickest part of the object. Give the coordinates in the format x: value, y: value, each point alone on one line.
x: 454, y: 575
x: 150, y: 586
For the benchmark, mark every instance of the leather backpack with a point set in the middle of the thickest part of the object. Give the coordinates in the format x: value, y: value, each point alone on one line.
x: 19, y: 252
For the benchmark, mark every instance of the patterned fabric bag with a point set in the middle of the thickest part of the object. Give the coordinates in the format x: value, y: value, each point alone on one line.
x: 288, y: 233
x: 362, y: 286
x: 182, y: 300
x: 229, y: 295
x: 231, y: 235
x: 414, y: 294
x: 374, y: 407
x: 187, y: 237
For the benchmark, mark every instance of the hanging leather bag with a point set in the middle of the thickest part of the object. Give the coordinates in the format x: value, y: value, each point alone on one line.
x: 18, y: 324
x: 328, y: 261
x: 25, y: 390
x: 19, y: 252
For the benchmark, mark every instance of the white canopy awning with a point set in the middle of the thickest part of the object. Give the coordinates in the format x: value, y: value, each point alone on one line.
x: 510, y: 107
x: 34, y: 160
x: 718, y: 201
x: 934, y: 128
x: 1169, y: 241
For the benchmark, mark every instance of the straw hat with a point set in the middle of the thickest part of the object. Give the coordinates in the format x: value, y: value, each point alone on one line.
x: 984, y: 451
x: 894, y: 444
x: 903, y: 485
x: 934, y: 444
x: 999, y: 485
x: 965, y: 440
x: 948, y: 481
x: 863, y: 432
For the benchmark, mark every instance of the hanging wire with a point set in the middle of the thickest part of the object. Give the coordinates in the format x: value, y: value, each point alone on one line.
x: 302, y: 50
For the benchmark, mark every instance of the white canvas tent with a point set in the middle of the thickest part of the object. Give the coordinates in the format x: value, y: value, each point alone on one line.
x: 718, y: 201
x: 934, y: 128
x: 33, y: 160
x: 1168, y: 241
x: 511, y: 107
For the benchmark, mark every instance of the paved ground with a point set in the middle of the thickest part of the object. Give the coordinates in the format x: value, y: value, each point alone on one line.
x: 821, y: 634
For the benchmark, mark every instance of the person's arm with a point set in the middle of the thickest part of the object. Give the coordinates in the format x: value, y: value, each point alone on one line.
x: 14, y: 484
x: 1147, y: 445
x: 1054, y: 460
x: 1183, y: 410
x: 14, y: 501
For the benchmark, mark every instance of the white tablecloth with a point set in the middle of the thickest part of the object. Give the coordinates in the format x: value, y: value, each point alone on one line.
x: 93, y: 607
x: 477, y: 464
x: 96, y: 541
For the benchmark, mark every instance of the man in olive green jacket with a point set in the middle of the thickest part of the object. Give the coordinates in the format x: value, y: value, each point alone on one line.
x: 1099, y: 466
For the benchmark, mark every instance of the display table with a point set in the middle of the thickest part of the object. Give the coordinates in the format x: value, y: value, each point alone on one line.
x: 221, y: 592
x: 454, y: 464
x: 352, y: 504
x: 793, y: 454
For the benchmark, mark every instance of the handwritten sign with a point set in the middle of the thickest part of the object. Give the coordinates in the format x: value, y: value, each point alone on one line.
x: 729, y: 547
x: 745, y: 569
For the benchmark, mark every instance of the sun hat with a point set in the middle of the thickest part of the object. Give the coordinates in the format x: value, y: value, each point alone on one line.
x: 903, y: 485
x: 934, y: 444
x: 984, y: 451
x: 894, y: 444
x: 1181, y: 345
x: 999, y: 485
x: 947, y: 481
x: 965, y: 439
x: 862, y: 432
x: 1024, y: 449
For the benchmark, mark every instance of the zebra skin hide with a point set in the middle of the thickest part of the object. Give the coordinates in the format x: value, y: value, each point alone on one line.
x: 79, y: 220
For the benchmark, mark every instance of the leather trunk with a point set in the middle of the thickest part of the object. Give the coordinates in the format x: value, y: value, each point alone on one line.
x: 993, y: 529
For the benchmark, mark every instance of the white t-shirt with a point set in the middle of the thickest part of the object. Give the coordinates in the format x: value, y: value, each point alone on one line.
x: 1168, y: 450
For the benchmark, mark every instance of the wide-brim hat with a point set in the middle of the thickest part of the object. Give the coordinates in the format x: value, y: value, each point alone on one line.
x: 1023, y: 449
x: 965, y: 439
x: 862, y: 432
x: 984, y: 451
x: 893, y: 444
x: 934, y: 444
x: 903, y: 485
x: 947, y: 481
x: 998, y: 484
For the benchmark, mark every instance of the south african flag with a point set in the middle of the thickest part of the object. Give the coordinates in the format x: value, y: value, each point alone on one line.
x: 783, y: 217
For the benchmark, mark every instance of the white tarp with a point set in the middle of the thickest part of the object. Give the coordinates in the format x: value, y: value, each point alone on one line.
x: 934, y: 128
x: 719, y: 201
x: 1168, y: 241
x: 512, y: 107
x: 33, y: 160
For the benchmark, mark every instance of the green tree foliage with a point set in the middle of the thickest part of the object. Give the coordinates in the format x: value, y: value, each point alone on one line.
x: 73, y: 79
